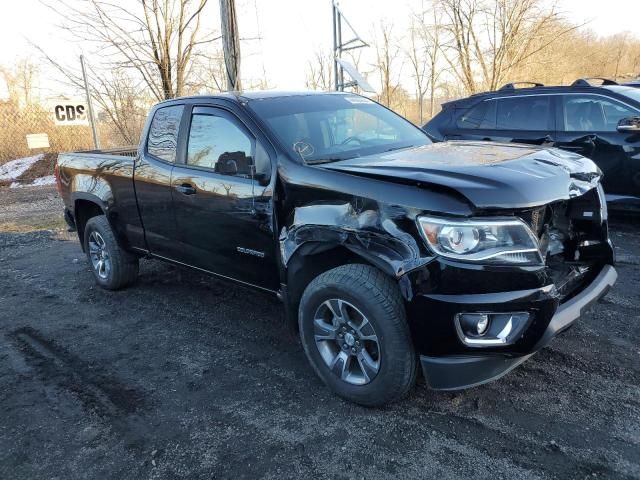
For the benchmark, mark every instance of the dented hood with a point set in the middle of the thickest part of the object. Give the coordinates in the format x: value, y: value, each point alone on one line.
x: 489, y: 175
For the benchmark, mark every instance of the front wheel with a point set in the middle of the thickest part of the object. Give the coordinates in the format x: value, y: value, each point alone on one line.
x: 355, y: 335
x: 113, y: 267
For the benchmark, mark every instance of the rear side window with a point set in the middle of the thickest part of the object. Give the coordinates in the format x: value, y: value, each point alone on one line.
x: 524, y: 113
x: 163, y: 133
x: 481, y: 116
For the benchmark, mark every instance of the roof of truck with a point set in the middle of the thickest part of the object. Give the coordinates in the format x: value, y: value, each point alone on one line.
x: 255, y: 95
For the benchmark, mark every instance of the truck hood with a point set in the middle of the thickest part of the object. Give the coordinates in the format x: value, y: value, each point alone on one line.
x: 489, y: 175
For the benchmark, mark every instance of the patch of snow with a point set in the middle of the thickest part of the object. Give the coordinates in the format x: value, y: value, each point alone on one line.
x: 13, y: 169
x: 48, y: 180
x: 38, y: 182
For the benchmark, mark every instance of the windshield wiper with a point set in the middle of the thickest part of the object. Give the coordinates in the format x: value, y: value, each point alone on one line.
x: 399, y: 148
x: 317, y: 161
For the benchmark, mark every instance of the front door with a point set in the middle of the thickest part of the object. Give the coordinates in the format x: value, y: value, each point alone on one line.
x: 224, y: 215
x: 587, y: 125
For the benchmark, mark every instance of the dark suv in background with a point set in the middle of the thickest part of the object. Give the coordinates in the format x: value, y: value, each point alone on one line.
x: 601, y: 122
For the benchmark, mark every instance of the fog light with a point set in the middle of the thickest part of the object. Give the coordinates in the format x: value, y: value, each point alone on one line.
x: 483, y: 323
x: 490, y: 329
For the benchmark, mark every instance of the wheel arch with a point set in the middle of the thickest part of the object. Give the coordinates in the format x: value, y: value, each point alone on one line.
x: 86, y: 206
x: 314, y: 258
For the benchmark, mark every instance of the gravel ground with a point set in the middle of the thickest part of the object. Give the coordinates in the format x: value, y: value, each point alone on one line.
x: 30, y: 208
x: 183, y: 376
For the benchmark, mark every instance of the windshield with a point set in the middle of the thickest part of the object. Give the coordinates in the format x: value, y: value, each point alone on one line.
x: 319, y: 128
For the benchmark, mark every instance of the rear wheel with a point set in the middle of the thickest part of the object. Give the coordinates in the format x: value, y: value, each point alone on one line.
x: 354, y: 333
x: 113, y: 268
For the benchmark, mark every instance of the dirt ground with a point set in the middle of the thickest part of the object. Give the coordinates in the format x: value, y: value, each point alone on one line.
x: 181, y: 376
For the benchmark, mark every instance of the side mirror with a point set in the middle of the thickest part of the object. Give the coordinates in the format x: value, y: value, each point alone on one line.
x: 629, y: 125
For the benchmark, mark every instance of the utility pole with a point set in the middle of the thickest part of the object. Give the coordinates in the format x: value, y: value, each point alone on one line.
x: 339, y: 47
x: 336, y: 80
x: 92, y: 118
x: 230, y: 43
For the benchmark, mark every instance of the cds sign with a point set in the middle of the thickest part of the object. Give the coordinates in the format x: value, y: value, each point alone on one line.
x: 69, y: 112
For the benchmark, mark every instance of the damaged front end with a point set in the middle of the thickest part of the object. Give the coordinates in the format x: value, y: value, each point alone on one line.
x: 472, y: 320
x: 573, y: 239
x: 528, y: 305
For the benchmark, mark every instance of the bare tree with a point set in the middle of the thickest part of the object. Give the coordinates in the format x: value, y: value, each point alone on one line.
x: 620, y: 42
x: 123, y: 103
x: 461, y: 15
x: 209, y: 75
x: 424, y: 55
x: 387, y: 67
x: 19, y: 79
x: 319, y: 74
x: 432, y: 39
x: 260, y: 83
x: 227, y: 189
x: 419, y: 65
x: 489, y: 39
x: 159, y: 39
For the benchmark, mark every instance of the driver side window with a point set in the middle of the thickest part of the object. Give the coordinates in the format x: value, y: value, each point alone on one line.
x: 218, y: 143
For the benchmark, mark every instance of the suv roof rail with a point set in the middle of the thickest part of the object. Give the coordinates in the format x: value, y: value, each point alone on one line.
x: 512, y: 85
x: 584, y: 82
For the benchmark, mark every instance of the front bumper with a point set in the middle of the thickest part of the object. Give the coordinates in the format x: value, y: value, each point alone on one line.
x: 453, y: 372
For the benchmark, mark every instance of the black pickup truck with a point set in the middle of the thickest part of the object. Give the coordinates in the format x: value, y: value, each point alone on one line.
x: 388, y: 252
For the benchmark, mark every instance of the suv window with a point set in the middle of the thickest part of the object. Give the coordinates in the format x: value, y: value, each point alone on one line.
x: 218, y: 143
x: 584, y: 113
x: 482, y: 116
x: 523, y: 113
x: 163, y: 133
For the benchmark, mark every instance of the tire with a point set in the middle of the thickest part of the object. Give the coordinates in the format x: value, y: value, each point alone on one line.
x: 112, y: 267
x: 358, y: 293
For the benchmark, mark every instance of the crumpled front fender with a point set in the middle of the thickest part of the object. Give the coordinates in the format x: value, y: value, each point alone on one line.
x: 384, y: 236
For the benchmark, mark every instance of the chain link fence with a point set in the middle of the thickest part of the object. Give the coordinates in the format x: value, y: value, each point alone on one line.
x: 17, y: 121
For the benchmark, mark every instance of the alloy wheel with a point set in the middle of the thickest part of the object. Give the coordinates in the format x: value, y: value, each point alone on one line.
x: 99, y: 255
x: 347, y: 341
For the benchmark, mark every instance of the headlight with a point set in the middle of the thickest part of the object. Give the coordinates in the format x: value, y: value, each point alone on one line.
x: 502, y: 241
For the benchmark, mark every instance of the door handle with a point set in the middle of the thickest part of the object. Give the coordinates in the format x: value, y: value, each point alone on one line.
x: 186, y: 189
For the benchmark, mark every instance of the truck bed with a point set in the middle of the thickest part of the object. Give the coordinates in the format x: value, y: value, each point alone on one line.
x: 127, y: 151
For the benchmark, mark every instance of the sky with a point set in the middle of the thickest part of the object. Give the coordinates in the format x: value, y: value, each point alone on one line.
x: 289, y: 31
